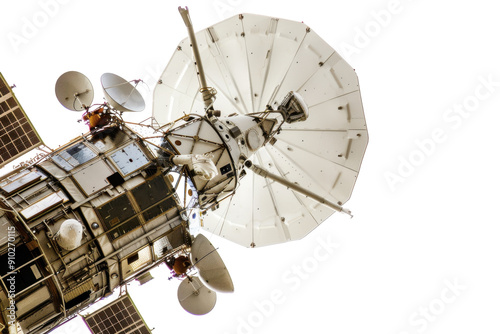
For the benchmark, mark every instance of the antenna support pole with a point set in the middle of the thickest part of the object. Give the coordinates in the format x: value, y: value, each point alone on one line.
x: 295, y: 187
x: 207, y: 95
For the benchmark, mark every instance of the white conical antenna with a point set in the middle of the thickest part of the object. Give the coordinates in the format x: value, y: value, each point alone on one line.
x: 74, y: 91
x: 120, y: 93
x: 196, y: 298
x: 210, y: 266
x: 70, y: 234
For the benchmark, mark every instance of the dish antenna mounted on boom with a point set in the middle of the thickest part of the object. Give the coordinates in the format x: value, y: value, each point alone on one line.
x: 289, y: 110
x: 75, y: 92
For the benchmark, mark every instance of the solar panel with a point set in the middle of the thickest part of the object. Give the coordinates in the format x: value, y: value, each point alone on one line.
x: 17, y: 134
x: 118, y: 317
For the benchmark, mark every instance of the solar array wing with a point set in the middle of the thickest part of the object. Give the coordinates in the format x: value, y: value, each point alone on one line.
x: 118, y: 317
x: 17, y: 134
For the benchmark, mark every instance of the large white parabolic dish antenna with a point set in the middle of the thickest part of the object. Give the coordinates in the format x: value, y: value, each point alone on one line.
x: 74, y: 91
x: 253, y: 61
x: 120, y: 93
x: 195, y: 297
x: 210, y: 266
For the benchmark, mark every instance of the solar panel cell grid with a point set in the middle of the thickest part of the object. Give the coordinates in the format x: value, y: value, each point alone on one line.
x: 120, y: 317
x: 17, y: 135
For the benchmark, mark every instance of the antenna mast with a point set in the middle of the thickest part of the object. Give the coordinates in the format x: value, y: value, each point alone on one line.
x: 205, y: 91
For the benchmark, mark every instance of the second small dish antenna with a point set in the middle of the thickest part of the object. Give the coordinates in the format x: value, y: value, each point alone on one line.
x: 121, y: 94
x: 210, y: 266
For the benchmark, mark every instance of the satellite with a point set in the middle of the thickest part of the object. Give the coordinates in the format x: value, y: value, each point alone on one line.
x: 257, y: 135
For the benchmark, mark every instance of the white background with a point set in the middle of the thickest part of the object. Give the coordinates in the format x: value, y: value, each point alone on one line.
x: 421, y: 253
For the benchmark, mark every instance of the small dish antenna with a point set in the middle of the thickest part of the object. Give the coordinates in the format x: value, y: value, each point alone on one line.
x: 210, y: 266
x: 196, y: 298
x: 74, y: 91
x: 121, y: 94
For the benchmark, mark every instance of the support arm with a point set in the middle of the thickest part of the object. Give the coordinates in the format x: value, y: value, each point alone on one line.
x: 266, y: 174
x: 207, y: 95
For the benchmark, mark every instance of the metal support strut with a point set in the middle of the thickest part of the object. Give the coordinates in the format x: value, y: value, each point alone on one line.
x: 266, y: 174
x: 206, y: 92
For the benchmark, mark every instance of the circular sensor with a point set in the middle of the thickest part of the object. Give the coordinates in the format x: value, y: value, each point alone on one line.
x: 254, y: 139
